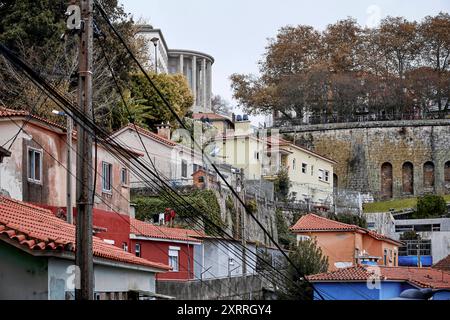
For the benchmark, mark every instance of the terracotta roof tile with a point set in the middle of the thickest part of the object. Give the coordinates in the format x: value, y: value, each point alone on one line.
x: 152, y: 135
x: 444, y: 264
x: 422, y: 277
x: 38, y: 229
x: 9, y: 113
x: 315, y: 223
x: 146, y: 229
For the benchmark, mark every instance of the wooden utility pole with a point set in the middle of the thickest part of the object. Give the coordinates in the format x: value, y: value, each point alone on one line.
x: 69, y: 208
x: 241, y: 191
x: 84, y: 253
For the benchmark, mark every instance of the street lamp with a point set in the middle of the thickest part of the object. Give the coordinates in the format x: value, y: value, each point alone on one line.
x: 155, y: 43
x: 69, y: 209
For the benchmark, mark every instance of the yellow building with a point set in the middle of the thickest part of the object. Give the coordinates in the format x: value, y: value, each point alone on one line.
x: 310, y: 174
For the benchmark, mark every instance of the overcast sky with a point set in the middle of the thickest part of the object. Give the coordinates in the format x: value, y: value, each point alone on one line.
x: 235, y: 32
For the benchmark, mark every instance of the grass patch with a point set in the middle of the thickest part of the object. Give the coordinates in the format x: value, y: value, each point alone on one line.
x: 385, y: 206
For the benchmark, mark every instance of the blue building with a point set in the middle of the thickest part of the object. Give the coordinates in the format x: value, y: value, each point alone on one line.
x: 378, y: 282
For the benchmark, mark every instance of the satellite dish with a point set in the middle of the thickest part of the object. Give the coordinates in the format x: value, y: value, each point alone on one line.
x: 214, y: 152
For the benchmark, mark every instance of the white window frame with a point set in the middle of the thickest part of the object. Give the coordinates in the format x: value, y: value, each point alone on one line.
x: 125, y: 246
x: 174, y: 258
x: 41, y: 162
x: 125, y: 182
x: 184, y: 163
x: 138, y: 250
x: 109, y: 165
x: 304, y: 168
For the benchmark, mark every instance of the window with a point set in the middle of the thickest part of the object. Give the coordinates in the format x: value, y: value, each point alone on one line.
x: 34, y: 165
x: 125, y: 246
x: 124, y: 176
x: 184, y: 168
x: 395, y: 258
x: 137, y: 249
x: 293, y: 164
x: 256, y: 155
x: 304, y: 167
x: 385, y: 257
x: 106, y: 177
x: 173, y: 259
x: 324, y: 175
x: 312, y: 170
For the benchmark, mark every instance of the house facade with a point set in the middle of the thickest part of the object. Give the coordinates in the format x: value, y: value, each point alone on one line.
x: 347, y: 245
x: 378, y: 283
x: 36, y: 170
x: 172, y: 246
x: 35, y: 267
x: 175, y: 162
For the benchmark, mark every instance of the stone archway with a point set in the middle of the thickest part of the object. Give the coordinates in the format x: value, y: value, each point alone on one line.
x: 408, y: 178
x: 386, y: 181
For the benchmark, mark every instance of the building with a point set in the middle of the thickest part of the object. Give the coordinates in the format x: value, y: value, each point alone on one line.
x: 444, y: 264
x: 174, y: 162
x: 261, y: 157
x: 434, y: 242
x: 347, y: 245
x: 36, y: 170
x: 172, y: 246
x: 378, y: 283
x: 37, y: 251
x: 310, y: 174
x: 194, y: 65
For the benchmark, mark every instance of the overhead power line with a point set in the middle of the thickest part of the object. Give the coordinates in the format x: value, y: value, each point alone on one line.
x: 167, y: 104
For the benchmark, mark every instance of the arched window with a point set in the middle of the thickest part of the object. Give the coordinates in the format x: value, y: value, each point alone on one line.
x: 408, y: 178
x: 335, y: 182
x: 447, y: 172
x: 386, y: 181
x: 428, y: 175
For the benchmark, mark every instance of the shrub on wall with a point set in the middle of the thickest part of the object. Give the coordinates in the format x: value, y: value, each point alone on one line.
x: 430, y: 206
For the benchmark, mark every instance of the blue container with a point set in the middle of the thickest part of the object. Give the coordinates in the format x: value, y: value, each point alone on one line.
x: 411, y: 261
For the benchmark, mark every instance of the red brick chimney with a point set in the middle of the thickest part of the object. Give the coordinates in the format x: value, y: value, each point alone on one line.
x: 164, y: 130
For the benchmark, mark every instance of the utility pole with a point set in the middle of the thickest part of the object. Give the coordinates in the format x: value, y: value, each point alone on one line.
x: 69, y: 209
x: 84, y: 253
x: 240, y: 189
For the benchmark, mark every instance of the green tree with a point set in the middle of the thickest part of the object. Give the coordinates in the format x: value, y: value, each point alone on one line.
x: 430, y: 206
x: 282, y: 184
x: 308, y: 259
x: 349, y: 219
x: 147, y: 108
x: 410, y: 235
x: 285, y: 236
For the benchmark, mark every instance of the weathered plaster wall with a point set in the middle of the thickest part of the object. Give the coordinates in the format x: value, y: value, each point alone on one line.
x: 22, y: 276
x: 362, y: 148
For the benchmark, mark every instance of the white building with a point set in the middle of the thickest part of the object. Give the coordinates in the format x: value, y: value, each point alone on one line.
x: 195, y: 66
x: 173, y: 161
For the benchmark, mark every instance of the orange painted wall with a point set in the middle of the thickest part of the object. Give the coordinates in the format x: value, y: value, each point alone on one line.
x: 341, y: 246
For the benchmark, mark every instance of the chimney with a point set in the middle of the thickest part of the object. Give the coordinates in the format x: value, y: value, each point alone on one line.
x: 164, y: 130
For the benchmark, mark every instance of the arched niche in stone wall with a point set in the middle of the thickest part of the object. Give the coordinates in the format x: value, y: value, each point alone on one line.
x: 428, y: 175
x: 386, y: 181
x: 408, y: 178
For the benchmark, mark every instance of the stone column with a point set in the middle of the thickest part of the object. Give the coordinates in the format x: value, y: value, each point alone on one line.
x: 194, y: 79
x: 209, y: 88
x: 181, y: 64
x: 204, y: 87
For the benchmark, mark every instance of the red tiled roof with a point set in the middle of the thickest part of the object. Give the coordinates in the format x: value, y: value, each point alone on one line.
x: 146, y: 229
x: 315, y: 223
x: 444, y: 264
x: 422, y: 277
x: 147, y: 133
x: 38, y: 229
x: 9, y: 113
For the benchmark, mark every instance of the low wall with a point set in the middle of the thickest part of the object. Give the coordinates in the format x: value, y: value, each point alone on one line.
x: 233, y: 288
